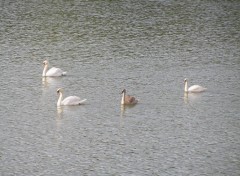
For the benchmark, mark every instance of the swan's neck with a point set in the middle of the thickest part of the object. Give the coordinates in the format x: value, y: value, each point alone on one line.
x: 45, y: 70
x: 186, y: 87
x: 60, y: 99
x: 123, y: 98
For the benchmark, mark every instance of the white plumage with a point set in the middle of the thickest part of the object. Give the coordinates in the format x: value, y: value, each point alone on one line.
x: 53, y: 71
x: 194, y: 88
x: 69, y: 101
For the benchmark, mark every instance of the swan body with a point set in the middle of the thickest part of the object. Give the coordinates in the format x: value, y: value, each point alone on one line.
x: 127, y: 99
x: 53, y: 71
x: 194, y: 88
x: 69, y: 101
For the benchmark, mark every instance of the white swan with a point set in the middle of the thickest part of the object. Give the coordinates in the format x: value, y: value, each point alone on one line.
x: 53, y: 71
x: 69, y: 101
x: 127, y: 99
x: 194, y: 88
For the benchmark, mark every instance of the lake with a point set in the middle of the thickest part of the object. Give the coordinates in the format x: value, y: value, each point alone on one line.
x: 146, y: 47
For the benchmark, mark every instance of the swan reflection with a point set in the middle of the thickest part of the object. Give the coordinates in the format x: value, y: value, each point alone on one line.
x: 123, y: 113
x: 44, y: 81
x: 123, y: 109
x: 59, y: 117
x: 186, y: 98
x: 51, y: 81
x: 59, y: 112
x: 190, y: 97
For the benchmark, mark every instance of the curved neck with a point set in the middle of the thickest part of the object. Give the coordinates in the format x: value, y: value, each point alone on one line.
x: 60, y: 99
x: 45, y: 70
x: 123, y: 98
x: 186, y: 86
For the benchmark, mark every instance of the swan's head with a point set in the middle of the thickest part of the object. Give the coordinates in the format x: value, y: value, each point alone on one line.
x: 45, y: 62
x: 59, y: 90
x: 123, y: 91
x: 185, y: 85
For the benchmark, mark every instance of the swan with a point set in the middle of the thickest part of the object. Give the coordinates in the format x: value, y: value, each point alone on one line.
x: 194, y: 88
x: 127, y: 99
x: 53, y: 71
x: 69, y: 101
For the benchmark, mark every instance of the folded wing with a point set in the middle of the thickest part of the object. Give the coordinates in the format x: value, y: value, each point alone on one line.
x: 54, y: 72
x: 73, y: 100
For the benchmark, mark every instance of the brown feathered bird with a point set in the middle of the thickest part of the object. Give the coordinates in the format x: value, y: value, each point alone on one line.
x: 127, y: 99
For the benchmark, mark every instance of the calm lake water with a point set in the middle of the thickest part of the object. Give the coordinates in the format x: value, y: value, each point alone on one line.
x: 145, y: 46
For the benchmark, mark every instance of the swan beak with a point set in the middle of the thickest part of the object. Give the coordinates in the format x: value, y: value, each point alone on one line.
x: 45, y: 62
x: 124, y: 90
x: 59, y: 90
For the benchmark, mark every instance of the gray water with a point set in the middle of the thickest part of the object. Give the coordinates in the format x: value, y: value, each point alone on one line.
x: 147, y: 47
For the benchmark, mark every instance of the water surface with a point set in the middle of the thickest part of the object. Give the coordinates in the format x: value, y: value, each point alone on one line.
x: 147, y: 47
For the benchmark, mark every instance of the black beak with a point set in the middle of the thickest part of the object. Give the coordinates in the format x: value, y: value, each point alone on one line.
x: 123, y: 91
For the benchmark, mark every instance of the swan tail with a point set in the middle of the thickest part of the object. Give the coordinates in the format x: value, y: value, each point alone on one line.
x: 82, y: 101
x: 64, y: 73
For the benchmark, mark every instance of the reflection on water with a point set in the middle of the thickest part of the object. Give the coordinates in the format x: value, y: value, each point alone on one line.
x: 192, y: 97
x: 63, y: 112
x: 123, y: 112
x: 48, y: 82
x: 122, y: 115
x: 67, y: 109
x: 44, y: 82
x: 185, y: 97
x: 123, y: 108
x: 193, y: 100
x: 147, y: 45
x: 59, y: 112
x: 59, y: 117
